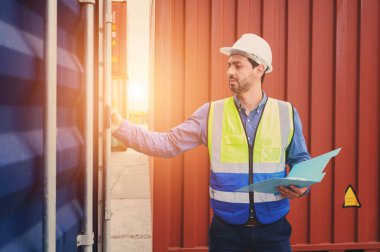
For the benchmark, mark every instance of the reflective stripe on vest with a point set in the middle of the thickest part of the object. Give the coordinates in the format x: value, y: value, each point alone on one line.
x: 229, y: 159
x: 241, y: 197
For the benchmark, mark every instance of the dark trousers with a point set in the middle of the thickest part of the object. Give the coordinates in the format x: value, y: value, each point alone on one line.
x: 273, y: 237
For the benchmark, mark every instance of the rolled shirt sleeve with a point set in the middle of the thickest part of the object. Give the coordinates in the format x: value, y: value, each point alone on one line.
x: 185, y: 136
x: 297, y: 150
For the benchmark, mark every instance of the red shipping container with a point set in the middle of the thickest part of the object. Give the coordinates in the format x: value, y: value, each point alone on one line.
x: 326, y: 58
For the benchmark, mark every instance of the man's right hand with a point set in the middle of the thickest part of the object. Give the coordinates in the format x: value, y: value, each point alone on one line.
x: 116, y: 120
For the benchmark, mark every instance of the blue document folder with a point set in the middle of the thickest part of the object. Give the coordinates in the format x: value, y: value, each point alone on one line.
x: 302, y: 174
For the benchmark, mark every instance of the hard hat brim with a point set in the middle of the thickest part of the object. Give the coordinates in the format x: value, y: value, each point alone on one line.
x: 227, y: 51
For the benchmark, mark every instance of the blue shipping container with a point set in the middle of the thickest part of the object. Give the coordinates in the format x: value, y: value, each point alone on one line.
x: 21, y: 124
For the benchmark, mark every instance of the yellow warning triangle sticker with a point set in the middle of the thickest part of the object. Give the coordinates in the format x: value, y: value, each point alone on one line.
x: 350, y: 198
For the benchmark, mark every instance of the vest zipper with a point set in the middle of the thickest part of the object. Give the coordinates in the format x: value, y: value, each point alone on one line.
x: 252, y: 213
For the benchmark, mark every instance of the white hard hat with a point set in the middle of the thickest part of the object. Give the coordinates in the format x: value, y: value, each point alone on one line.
x: 253, y: 47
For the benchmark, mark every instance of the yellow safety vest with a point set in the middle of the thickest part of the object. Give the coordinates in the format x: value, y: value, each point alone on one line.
x: 233, y: 162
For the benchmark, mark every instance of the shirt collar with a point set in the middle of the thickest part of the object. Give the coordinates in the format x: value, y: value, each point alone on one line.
x: 240, y: 107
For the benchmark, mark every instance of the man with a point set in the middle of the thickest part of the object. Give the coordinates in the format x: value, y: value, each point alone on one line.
x: 250, y: 138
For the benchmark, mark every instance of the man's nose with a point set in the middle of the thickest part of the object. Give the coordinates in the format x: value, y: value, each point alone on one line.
x: 230, y: 72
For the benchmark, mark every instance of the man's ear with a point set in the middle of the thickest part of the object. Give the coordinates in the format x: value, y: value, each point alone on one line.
x: 260, y: 70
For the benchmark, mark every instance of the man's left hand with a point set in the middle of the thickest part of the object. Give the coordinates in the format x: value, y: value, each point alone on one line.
x: 292, y: 192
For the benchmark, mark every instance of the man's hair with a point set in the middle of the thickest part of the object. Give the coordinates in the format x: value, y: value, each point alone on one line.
x: 255, y: 64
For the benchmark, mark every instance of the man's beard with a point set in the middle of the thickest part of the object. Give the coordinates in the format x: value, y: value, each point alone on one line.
x: 239, y: 87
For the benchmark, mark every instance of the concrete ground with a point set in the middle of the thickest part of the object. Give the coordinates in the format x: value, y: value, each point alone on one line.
x: 131, y: 220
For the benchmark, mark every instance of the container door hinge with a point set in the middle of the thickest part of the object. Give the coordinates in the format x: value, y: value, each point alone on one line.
x: 108, y: 214
x: 85, y: 240
x: 109, y: 18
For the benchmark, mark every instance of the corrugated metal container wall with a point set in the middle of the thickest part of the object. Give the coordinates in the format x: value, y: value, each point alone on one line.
x: 21, y: 125
x: 326, y: 62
